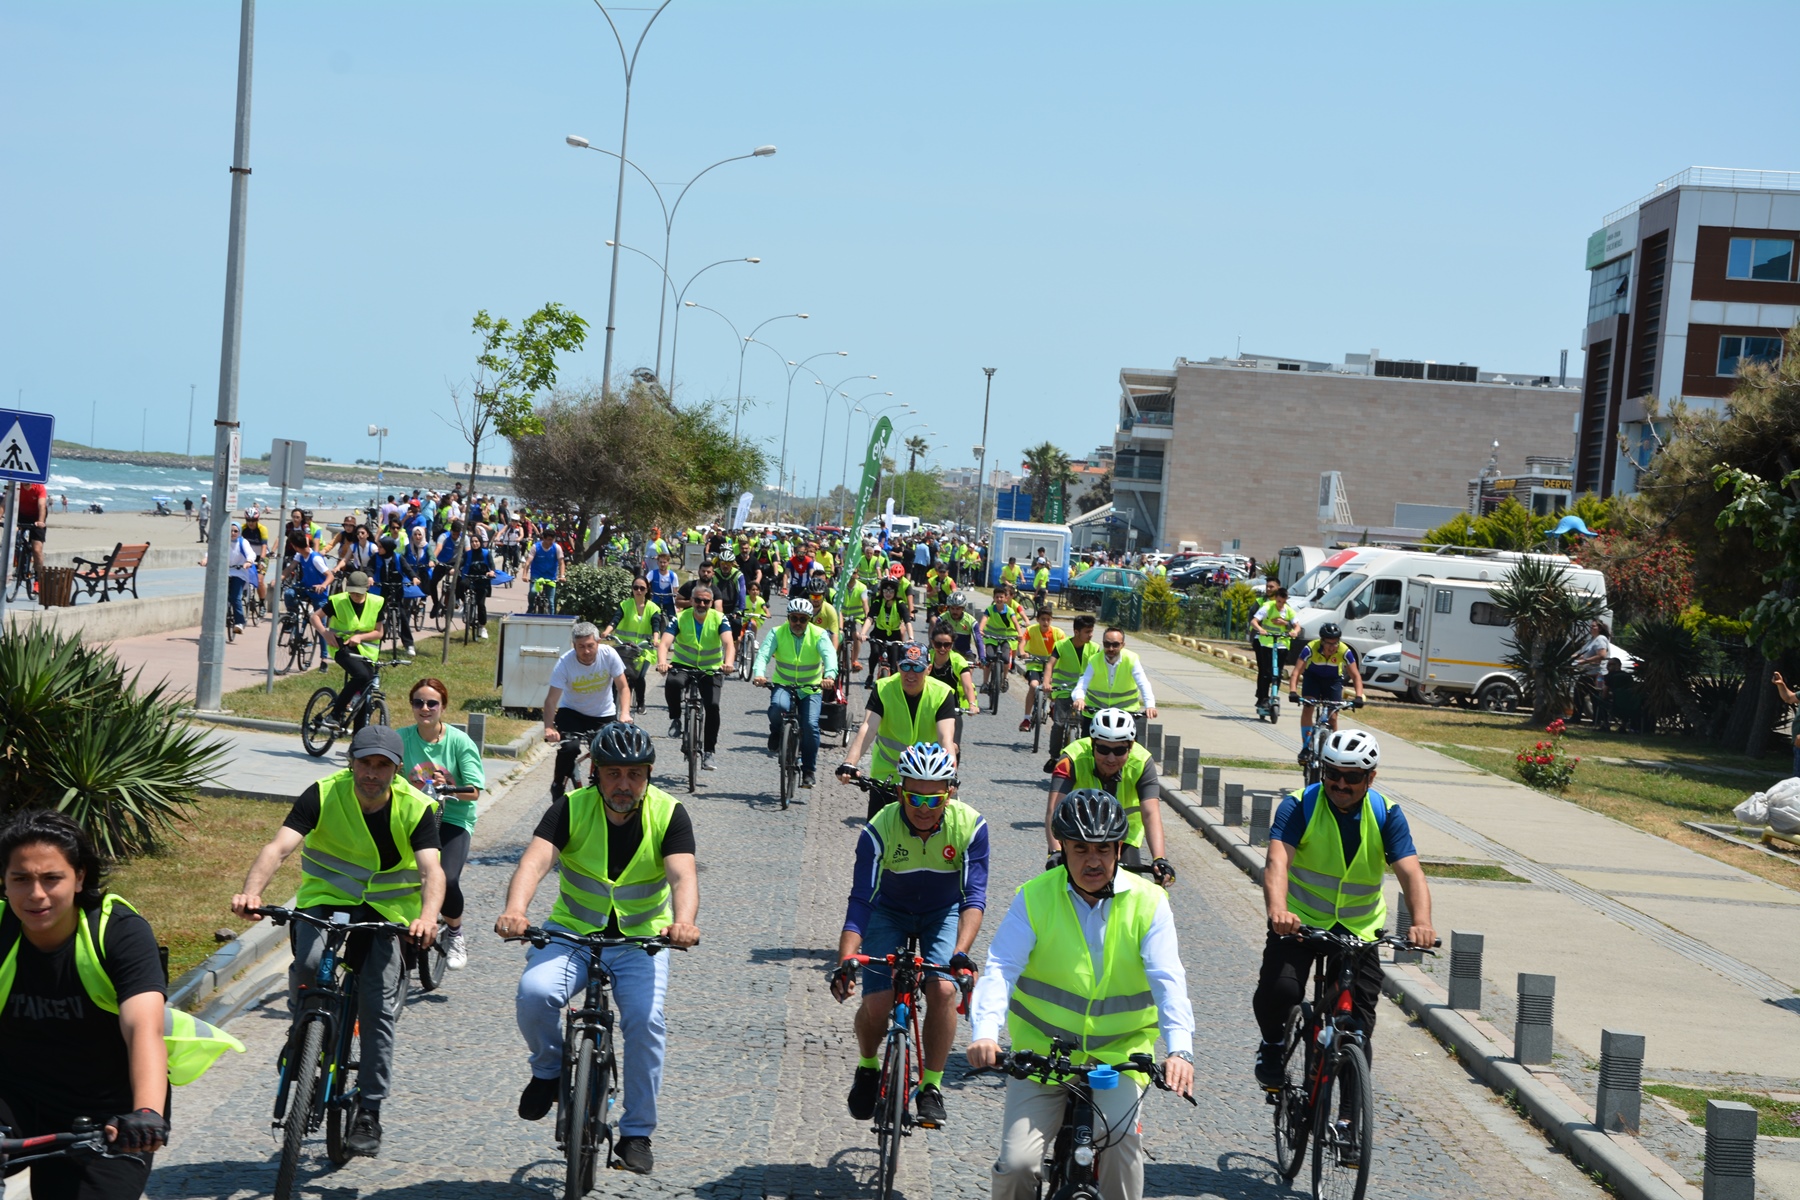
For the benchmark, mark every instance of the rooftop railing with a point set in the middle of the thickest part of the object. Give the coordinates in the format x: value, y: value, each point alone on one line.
x: 1713, y: 177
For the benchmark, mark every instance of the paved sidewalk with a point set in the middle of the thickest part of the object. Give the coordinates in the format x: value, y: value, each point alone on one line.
x: 273, y: 766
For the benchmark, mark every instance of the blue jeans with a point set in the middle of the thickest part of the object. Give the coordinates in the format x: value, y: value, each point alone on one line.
x: 558, y: 972
x: 234, y: 595
x: 780, y: 698
x: 886, y: 934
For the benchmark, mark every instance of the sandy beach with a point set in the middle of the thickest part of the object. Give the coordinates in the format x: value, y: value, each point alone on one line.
x: 79, y: 531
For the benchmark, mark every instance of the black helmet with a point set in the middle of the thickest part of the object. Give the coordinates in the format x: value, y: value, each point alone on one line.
x: 1089, y: 815
x: 389, y: 544
x: 1328, y: 632
x: 620, y: 744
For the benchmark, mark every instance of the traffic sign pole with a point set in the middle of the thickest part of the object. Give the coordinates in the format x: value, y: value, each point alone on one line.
x: 6, y: 562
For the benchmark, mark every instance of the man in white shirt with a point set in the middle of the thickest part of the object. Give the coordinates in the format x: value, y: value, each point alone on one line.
x: 1134, y: 989
x: 587, y: 691
x: 1115, y: 678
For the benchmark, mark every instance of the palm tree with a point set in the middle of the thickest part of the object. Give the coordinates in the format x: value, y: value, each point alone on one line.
x: 1048, y: 466
x: 1551, y: 622
x: 916, y: 447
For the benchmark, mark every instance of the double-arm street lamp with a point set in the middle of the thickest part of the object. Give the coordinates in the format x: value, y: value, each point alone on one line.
x: 831, y: 391
x: 844, y: 474
x: 668, y: 385
x: 744, y: 342
x: 793, y: 369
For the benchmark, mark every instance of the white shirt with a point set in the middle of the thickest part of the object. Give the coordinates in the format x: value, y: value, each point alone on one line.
x: 243, y: 557
x: 1012, y: 945
x: 1138, y: 675
x: 588, y: 689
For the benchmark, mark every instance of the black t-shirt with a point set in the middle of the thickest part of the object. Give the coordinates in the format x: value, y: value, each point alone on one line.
x: 62, y: 1055
x: 622, y: 841
x: 946, y: 711
x: 686, y: 590
x: 303, y: 818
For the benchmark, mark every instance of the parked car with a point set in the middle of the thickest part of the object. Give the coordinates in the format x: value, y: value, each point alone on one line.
x: 1088, y: 589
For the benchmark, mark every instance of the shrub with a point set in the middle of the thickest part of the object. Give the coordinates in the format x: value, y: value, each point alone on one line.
x: 81, y: 737
x: 1545, y: 765
x: 1551, y: 622
x: 1241, y: 603
x: 594, y: 593
x: 1161, y: 606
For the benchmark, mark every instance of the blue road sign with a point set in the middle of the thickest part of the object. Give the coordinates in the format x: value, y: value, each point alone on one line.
x: 25, y: 445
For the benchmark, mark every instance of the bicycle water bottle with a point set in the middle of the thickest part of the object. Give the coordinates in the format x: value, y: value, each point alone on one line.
x: 1102, y: 1079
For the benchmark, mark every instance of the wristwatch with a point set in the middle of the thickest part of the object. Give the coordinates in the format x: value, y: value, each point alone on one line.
x: 1183, y: 1055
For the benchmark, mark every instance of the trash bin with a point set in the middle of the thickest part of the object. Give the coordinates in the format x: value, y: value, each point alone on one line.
x: 56, y: 587
x: 529, y: 648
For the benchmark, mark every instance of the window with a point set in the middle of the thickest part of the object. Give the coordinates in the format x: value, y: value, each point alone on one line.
x: 1548, y: 504
x: 1413, y: 616
x: 1760, y: 258
x: 1381, y: 598
x: 1442, y: 600
x: 1734, y: 349
x: 1609, y: 291
x: 1483, y: 613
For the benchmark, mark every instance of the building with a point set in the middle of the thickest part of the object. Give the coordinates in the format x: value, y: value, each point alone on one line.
x: 1544, y: 487
x: 1229, y: 452
x: 1684, y: 284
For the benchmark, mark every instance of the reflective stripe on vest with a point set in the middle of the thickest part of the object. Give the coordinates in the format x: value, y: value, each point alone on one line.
x: 900, y: 727
x: 339, y: 864
x: 1058, y: 996
x: 1269, y: 612
x: 1082, y: 765
x: 1071, y: 660
x: 345, y: 619
x: 1323, y: 890
x: 585, y: 898
x: 635, y: 620
x: 1115, y: 687
x: 887, y: 616
x: 799, y: 662
x: 699, y: 645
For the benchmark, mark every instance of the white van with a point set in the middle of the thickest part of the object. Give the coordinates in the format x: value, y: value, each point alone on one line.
x: 1365, y: 600
x: 1454, y: 640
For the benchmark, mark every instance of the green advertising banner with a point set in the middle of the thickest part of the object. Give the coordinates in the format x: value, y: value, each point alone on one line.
x: 1053, y: 510
x: 871, y: 475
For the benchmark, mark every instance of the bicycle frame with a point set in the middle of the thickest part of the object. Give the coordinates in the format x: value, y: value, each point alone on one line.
x: 1071, y: 1159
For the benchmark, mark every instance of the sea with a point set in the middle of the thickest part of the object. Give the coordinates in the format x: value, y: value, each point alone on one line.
x: 127, y: 487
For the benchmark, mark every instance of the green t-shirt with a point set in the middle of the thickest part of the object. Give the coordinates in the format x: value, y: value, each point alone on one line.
x: 456, y: 753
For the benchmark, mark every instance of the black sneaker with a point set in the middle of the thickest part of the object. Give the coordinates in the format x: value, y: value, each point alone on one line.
x: 1268, y: 1066
x: 674, y: 729
x: 774, y: 742
x: 929, y: 1104
x: 634, y: 1154
x: 864, y: 1091
x: 807, y: 780
x: 537, y: 1098
x: 364, y: 1138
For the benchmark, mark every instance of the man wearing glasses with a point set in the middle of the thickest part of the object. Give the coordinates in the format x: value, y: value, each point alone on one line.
x: 587, y: 692
x: 921, y: 869
x: 1110, y: 760
x: 1114, y: 679
x: 1325, y: 870
x: 904, y: 709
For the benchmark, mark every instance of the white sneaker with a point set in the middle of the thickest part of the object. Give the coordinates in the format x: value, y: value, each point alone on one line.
x: 456, y: 949
x: 706, y: 763
x: 481, y: 635
x: 411, y: 653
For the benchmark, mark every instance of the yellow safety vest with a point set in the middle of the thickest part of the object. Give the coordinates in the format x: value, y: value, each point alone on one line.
x: 799, y: 663
x: 1323, y: 890
x: 339, y: 864
x: 1271, y: 611
x: 900, y: 727
x: 1115, y: 686
x: 586, y: 898
x: 697, y: 645
x: 1080, y: 754
x: 1071, y: 662
x: 887, y: 618
x: 1002, y: 623
x: 1057, y: 995
x: 856, y: 600
x: 345, y: 619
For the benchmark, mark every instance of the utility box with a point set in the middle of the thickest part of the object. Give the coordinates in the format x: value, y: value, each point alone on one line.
x: 529, y: 647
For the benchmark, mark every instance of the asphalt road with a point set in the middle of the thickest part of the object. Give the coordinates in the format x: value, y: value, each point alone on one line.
x: 760, y: 1056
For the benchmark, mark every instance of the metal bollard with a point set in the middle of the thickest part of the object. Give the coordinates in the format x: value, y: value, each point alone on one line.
x: 1465, y: 970
x: 1209, y: 787
x: 1152, y: 740
x: 1262, y: 806
x: 1190, y: 768
x: 1171, y: 756
x: 478, y: 731
x: 1535, y: 1024
x: 1619, y: 1101
x: 1402, y: 927
x: 1730, y: 1151
x: 1233, y: 813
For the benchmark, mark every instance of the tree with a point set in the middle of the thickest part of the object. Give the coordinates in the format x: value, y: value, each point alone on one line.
x: 1101, y: 493
x: 916, y: 447
x: 1046, y: 467
x: 1551, y: 622
x: 920, y: 494
x: 513, y: 367
x: 1646, y: 578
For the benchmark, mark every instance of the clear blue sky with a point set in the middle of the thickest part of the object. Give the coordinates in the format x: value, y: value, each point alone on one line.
x: 1053, y: 190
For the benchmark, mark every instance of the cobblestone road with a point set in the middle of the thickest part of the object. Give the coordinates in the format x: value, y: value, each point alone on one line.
x: 760, y: 1055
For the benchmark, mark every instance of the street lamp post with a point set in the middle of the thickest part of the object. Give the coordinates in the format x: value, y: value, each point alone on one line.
x: 744, y: 341
x: 844, y: 475
x: 905, y: 480
x: 379, y: 433
x: 981, y: 451
x: 819, y: 482
x: 668, y: 385
x: 793, y: 369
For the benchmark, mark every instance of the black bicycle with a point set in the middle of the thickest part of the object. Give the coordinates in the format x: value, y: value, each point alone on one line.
x: 884, y: 658
x: 881, y: 794
x: 590, y: 1070
x: 85, y: 1136
x: 24, y: 580
x: 431, y: 961
x: 788, y: 744
x: 313, y: 1085
x: 693, y: 722
x: 1032, y: 668
x: 994, y: 681
x: 1312, y: 754
x: 1065, y: 727
x: 318, y: 731
x: 1323, y: 1053
x: 1070, y: 1170
x: 295, y: 632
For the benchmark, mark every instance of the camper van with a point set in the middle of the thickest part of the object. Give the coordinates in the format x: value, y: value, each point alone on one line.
x: 1022, y: 540
x: 1365, y: 598
x: 1453, y: 640
x: 1293, y: 562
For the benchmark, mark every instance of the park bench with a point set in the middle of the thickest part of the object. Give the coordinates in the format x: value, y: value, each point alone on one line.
x: 113, y: 575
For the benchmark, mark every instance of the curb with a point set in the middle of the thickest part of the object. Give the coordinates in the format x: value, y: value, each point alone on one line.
x: 517, y: 748
x: 1626, y: 1165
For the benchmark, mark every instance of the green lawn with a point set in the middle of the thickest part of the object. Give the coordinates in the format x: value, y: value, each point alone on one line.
x: 1774, y: 1118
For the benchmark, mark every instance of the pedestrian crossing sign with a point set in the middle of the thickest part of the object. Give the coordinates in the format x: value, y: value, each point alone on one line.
x: 25, y: 446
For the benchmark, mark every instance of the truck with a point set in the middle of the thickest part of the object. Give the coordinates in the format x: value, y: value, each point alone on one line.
x: 1293, y: 562
x: 1022, y: 540
x: 1454, y: 641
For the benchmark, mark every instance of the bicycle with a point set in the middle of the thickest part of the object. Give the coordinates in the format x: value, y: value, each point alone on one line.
x: 1334, y: 1058
x: 1065, y: 727
x: 787, y: 744
x: 746, y: 647
x: 881, y: 792
x: 1269, y: 707
x: 1032, y: 668
x: 693, y: 722
x: 296, y: 633
x: 884, y: 658
x: 994, y: 680
x: 590, y: 1069
x: 25, y: 580
x: 1312, y: 754
x: 1069, y: 1160
x: 468, y: 608
x: 902, y: 1058
x: 85, y: 1136
x: 431, y: 961
x: 315, y: 1065
x: 318, y: 731
x: 542, y: 599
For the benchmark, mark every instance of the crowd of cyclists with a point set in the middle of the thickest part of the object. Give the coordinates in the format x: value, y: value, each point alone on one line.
x: 1085, y: 960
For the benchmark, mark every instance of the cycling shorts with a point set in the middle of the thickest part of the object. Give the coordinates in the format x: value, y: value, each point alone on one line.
x: 886, y: 934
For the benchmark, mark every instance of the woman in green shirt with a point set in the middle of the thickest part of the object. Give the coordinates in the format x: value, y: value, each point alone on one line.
x: 442, y: 754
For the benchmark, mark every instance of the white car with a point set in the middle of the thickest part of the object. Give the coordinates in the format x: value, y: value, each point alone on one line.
x: 1381, y: 670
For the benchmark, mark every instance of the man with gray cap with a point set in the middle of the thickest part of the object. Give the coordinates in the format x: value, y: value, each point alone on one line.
x: 370, y: 850
x: 354, y: 631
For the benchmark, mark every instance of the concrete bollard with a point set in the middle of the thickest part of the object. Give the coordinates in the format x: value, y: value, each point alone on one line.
x: 1209, y: 787
x: 1465, y: 970
x: 1152, y: 740
x: 1171, y: 757
x: 1402, y: 927
x: 1730, y: 1151
x: 478, y: 731
x: 1190, y: 768
x: 1233, y: 813
x: 1536, y: 1021
x: 1262, y: 806
x: 1619, y: 1101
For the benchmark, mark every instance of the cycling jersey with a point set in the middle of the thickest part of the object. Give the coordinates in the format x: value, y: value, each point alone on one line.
x: 544, y: 556
x: 1322, y: 674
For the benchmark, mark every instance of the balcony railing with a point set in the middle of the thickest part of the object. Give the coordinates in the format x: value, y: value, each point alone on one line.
x: 1714, y: 177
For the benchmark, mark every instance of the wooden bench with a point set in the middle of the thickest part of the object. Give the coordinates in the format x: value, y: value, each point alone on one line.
x: 113, y: 575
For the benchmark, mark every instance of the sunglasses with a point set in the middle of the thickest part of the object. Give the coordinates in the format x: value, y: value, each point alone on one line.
x: 1114, y: 645
x: 942, y: 645
x: 427, y: 704
x: 1352, y: 778
x: 922, y: 801
x: 1105, y: 751
x: 913, y: 668
x: 639, y: 588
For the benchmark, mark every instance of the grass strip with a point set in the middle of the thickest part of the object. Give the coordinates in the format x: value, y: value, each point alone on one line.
x: 1774, y: 1118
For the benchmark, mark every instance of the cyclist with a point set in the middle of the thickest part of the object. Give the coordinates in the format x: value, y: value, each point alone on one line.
x: 391, y: 576
x: 799, y: 567
x: 354, y: 632
x: 1000, y: 629
x: 587, y: 692
x: 1040, y: 582
x: 963, y: 629
x: 371, y: 851
x: 854, y: 612
x: 34, y: 522
x: 1071, y: 660
x: 825, y: 614
x: 1323, y: 663
x: 1273, y: 625
x: 904, y: 709
x: 684, y: 595
x: 1088, y: 955
x: 313, y: 578
x: 890, y: 620
x: 640, y: 621
x: 443, y: 556
x: 728, y: 585
x: 1325, y: 869
x: 921, y: 869
x: 701, y: 646
x: 627, y: 868
x: 1110, y: 760
x: 478, y: 579
x: 240, y: 571
x: 548, y: 567
x: 663, y: 581
x: 949, y: 667
x: 434, y: 750
x: 803, y: 661
x: 1039, y: 641
x: 1012, y: 574
x: 1114, y: 678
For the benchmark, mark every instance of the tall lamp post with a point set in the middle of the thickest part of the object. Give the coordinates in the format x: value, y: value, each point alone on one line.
x: 855, y: 407
x: 981, y: 452
x: 744, y: 341
x: 669, y: 211
x: 793, y: 369
x: 668, y: 385
x: 830, y: 391
x: 379, y: 433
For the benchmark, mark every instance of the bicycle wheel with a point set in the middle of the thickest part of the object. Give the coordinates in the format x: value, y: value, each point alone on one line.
x: 303, y: 1091
x: 301, y: 649
x: 1037, y: 721
x: 606, y: 1071
x: 431, y: 964
x: 993, y: 686
x: 692, y: 735
x: 1343, y: 1135
x: 1292, y: 1120
x: 376, y: 711
x: 316, y: 732
x: 578, y: 1150
x: 789, y: 769
x: 888, y: 1118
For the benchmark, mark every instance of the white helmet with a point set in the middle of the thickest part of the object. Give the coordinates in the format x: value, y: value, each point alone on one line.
x: 1353, y: 748
x: 801, y: 605
x: 1114, y: 725
x: 926, y: 760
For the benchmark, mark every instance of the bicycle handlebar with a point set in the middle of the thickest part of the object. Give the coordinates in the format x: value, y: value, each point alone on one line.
x: 281, y: 916
x: 541, y: 937
x: 87, y: 1134
x: 1056, y: 1068
x: 1349, y: 941
x: 965, y: 980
